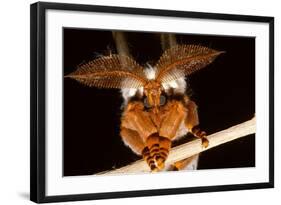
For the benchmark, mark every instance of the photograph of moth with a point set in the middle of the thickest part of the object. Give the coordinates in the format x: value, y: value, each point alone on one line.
x: 157, y: 109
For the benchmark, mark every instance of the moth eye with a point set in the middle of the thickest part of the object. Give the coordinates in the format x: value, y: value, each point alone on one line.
x: 145, y: 102
x: 162, y: 100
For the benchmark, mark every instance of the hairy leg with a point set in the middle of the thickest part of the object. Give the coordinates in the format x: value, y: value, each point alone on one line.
x: 159, y: 144
x: 192, y: 123
x: 135, y: 118
x: 137, y: 122
x: 132, y: 139
x: 173, y: 117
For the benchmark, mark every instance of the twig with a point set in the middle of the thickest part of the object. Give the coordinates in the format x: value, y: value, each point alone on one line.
x: 121, y: 43
x: 167, y: 41
x: 191, y: 148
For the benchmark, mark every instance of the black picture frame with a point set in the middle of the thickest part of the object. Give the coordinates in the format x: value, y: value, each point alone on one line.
x: 38, y: 100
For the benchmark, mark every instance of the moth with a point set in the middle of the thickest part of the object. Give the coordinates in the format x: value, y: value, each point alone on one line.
x: 157, y: 109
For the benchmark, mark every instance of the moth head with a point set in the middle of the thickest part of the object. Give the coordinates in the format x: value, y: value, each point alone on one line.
x: 152, y: 92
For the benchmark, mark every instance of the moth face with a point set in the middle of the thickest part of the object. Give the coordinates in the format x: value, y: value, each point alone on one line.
x: 163, y: 100
x: 152, y: 92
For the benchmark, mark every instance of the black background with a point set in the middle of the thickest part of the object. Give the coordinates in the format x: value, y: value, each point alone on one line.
x: 224, y: 92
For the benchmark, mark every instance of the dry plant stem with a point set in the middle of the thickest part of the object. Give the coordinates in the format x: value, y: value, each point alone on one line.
x: 168, y: 41
x: 121, y: 43
x: 191, y: 148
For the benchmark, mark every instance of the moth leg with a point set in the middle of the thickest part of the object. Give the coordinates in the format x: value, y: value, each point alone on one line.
x: 176, y: 113
x: 132, y: 139
x: 173, y: 117
x: 135, y: 118
x: 192, y: 123
x: 189, y: 163
x: 137, y: 145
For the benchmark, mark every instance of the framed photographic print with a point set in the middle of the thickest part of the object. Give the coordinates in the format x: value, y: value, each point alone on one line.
x: 129, y: 102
